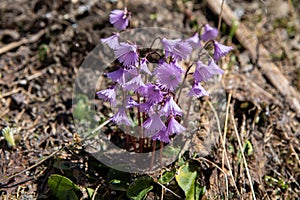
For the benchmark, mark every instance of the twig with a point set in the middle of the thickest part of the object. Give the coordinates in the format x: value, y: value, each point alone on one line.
x: 94, y: 132
x: 243, y: 155
x: 167, y: 189
x: 220, y: 16
x: 95, y: 191
x: 38, y: 163
x: 226, y: 128
x: 223, y: 144
x: 14, y: 45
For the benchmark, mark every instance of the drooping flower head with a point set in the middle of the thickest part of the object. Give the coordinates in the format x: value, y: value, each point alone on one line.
x: 174, y: 127
x: 204, y: 72
x: 111, y: 41
x: 171, y: 108
x: 176, y: 48
x: 197, y: 91
x: 169, y: 45
x: 119, y: 18
x: 153, y: 124
x: 134, y: 83
x: 162, y: 136
x: 116, y: 75
x: 146, y: 107
x: 182, y: 50
x: 152, y: 93
x: 214, y: 67
x: 169, y: 75
x: 108, y: 95
x: 120, y: 118
x: 210, y: 33
x: 194, y: 41
x: 220, y: 50
x: 130, y: 102
x: 144, y: 67
x: 127, y: 54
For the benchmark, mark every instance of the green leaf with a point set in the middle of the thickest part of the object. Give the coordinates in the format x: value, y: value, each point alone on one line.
x: 171, y: 151
x: 9, y: 136
x: 248, y: 148
x: 58, y: 183
x: 139, y: 189
x: 167, y: 176
x: 118, y: 180
x: 66, y: 195
x: 117, y: 184
x: 90, y: 192
x: 186, y: 179
x: 82, y: 111
x: 43, y: 51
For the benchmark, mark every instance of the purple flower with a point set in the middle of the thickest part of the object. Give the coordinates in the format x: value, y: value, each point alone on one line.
x: 119, y: 18
x: 169, y: 75
x: 220, y: 50
x: 146, y: 107
x: 112, y: 41
x: 171, y: 108
x: 182, y: 50
x: 177, y: 48
x: 214, y: 67
x: 162, y: 136
x: 144, y: 66
x: 174, y: 127
x: 169, y: 45
x: 153, y: 93
x: 197, y: 91
x: 121, y: 118
x: 194, y: 41
x: 134, y: 83
x: 153, y: 124
x: 108, y: 95
x: 127, y: 54
x: 204, y: 72
x: 116, y: 75
x: 130, y: 102
x: 210, y: 33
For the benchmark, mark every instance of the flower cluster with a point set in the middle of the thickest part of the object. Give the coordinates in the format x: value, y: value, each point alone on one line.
x: 156, y: 100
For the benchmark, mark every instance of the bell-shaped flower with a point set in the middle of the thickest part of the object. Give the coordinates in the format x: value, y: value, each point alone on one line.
x: 119, y: 19
x: 197, y: 91
x: 171, y: 108
x: 144, y: 66
x: 116, y: 75
x: 174, y: 127
x: 130, y: 102
x: 176, y: 48
x: 111, y: 41
x: 108, y: 95
x: 204, y: 72
x: 162, y: 136
x: 194, y: 41
x: 127, y: 54
x: 120, y: 118
x: 134, y: 83
x: 210, y: 33
x: 153, y: 124
x: 169, y: 75
x: 220, y: 50
x: 152, y: 93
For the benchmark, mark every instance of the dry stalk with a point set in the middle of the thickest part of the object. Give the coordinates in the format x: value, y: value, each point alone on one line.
x: 223, y: 143
x: 242, y: 153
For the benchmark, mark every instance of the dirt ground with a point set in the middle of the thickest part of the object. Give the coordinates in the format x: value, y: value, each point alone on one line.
x: 43, y: 43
